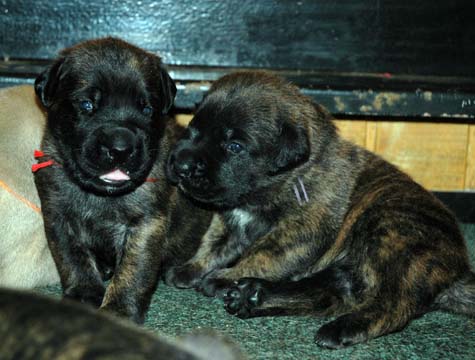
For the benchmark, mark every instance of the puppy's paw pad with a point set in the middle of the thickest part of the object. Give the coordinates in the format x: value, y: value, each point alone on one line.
x: 245, y: 295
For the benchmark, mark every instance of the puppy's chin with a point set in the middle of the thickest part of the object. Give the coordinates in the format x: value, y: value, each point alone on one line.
x: 210, y: 198
x: 102, y: 188
x: 101, y: 185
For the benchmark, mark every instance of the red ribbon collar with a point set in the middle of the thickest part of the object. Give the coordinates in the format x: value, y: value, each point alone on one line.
x: 38, y: 154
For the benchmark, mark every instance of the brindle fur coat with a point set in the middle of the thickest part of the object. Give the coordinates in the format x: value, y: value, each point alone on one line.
x: 309, y: 223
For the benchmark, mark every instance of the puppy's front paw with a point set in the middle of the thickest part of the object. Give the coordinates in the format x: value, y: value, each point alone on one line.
x: 184, y: 276
x: 215, y: 284
x: 87, y: 295
x: 128, y: 311
x: 241, y: 298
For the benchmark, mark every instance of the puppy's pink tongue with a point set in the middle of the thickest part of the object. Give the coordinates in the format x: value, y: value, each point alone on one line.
x: 116, y: 175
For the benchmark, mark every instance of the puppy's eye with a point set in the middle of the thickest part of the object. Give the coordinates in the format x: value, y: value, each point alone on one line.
x: 86, y: 105
x: 147, y: 110
x: 234, y: 147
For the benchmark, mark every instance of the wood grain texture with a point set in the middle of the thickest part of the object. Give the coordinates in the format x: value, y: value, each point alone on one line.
x: 183, y: 119
x: 470, y: 173
x: 353, y: 130
x: 433, y: 154
x: 438, y: 156
x: 371, y: 135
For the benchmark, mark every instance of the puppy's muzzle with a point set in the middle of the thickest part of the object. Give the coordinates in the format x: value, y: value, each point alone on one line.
x: 186, y: 165
x: 116, y: 146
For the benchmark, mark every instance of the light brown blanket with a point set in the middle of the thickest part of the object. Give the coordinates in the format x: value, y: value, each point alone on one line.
x: 25, y: 260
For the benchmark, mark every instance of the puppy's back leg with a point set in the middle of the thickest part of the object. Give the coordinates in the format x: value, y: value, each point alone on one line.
x: 370, y: 321
x: 321, y: 294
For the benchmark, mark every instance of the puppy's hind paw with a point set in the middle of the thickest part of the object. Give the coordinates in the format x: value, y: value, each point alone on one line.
x: 184, y: 276
x: 244, y: 296
x: 341, y: 333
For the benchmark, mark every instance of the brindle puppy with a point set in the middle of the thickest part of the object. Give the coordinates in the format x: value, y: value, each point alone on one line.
x: 309, y: 223
x: 108, y: 210
x: 41, y: 328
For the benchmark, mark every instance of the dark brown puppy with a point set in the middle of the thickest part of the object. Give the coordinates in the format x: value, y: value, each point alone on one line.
x: 309, y: 223
x: 40, y: 328
x: 106, y: 134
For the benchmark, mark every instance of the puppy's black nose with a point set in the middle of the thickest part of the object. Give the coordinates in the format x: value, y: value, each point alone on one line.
x: 117, y: 145
x: 120, y: 151
x: 186, y: 165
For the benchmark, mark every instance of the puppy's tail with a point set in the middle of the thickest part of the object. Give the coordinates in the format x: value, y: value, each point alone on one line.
x: 460, y: 297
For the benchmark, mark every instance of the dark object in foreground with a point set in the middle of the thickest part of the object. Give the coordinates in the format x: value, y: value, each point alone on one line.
x: 308, y: 223
x: 39, y: 328
x: 108, y: 210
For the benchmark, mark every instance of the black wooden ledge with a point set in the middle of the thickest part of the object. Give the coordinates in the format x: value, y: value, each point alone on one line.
x: 344, y: 94
x: 391, y: 58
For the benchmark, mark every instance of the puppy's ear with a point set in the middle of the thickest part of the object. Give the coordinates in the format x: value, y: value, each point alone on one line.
x: 294, y: 147
x: 47, y: 82
x: 167, y: 89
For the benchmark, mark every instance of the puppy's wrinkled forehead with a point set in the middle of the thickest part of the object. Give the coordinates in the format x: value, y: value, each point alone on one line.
x: 111, y: 67
x: 241, y: 109
x: 94, y: 61
x: 256, y: 103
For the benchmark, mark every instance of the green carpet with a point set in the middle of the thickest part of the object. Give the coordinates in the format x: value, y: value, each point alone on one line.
x: 436, y: 335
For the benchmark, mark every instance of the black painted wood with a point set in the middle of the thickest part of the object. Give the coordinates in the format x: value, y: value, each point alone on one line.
x: 344, y: 95
x: 357, y: 57
x: 417, y: 37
